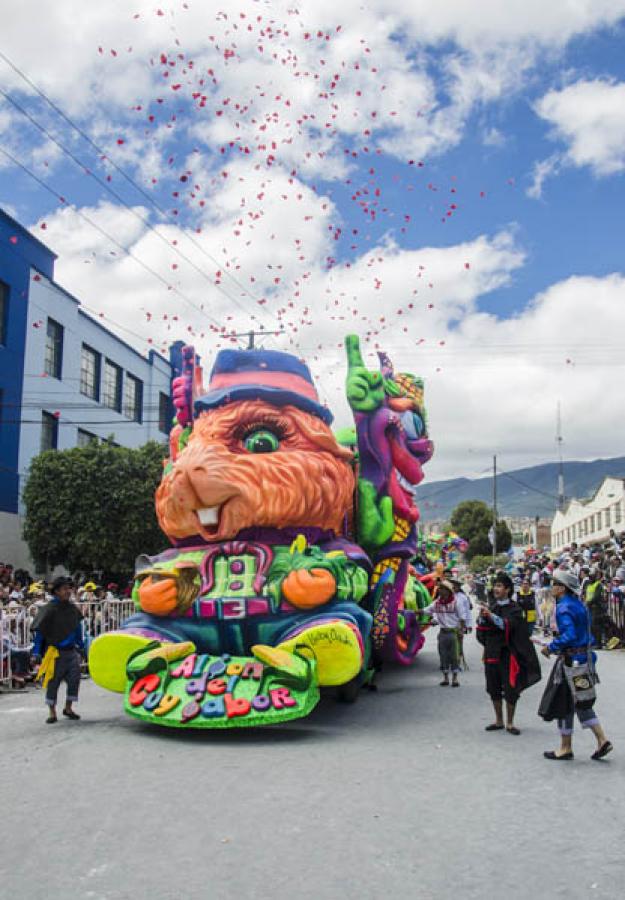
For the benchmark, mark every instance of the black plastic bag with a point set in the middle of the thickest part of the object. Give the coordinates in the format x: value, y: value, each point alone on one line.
x: 557, y: 700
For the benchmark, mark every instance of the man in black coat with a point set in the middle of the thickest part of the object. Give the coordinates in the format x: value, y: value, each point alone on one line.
x: 510, y: 661
x: 58, y: 639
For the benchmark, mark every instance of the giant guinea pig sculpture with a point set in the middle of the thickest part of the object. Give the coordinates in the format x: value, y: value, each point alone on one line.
x: 254, y: 500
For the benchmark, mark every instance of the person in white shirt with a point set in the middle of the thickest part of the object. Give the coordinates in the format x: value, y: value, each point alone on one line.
x: 535, y: 581
x: 575, y: 566
x: 446, y: 613
x: 464, y: 604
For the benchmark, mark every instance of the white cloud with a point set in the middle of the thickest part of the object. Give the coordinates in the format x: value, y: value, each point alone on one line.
x: 493, y: 137
x: 492, y: 385
x: 543, y: 169
x: 488, y: 22
x: 589, y: 117
x: 263, y: 240
x: 101, y: 63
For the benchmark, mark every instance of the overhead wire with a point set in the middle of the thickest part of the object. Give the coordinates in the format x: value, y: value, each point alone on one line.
x: 88, y: 171
x: 529, y: 487
x: 153, y: 203
x: 109, y: 237
x: 96, y: 316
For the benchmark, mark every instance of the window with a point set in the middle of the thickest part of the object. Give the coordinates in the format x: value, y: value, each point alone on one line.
x: 4, y: 311
x: 133, y: 398
x: 164, y: 413
x: 607, y: 518
x: 54, y: 349
x: 112, y: 387
x: 90, y: 372
x: 49, y: 432
x: 617, y: 513
x: 85, y: 438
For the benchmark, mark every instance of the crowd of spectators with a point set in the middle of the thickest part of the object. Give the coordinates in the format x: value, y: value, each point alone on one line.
x: 600, y: 569
x: 21, y: 596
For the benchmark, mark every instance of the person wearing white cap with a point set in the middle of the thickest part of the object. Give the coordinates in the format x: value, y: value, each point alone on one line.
x: 571, y: 687
x: 447, y: 614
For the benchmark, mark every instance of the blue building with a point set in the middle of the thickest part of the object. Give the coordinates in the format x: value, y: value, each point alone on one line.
x: 65, y: 380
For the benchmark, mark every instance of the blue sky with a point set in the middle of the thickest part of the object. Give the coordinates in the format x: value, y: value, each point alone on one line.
x: 526, y: 272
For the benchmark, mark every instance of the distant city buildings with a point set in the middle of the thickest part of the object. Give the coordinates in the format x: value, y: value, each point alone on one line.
x: 529, y: 531
x: 589, y: 521
x: 65, y: 380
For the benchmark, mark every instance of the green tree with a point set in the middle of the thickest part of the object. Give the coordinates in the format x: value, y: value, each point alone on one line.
x: 472, y: 520
x: 92, y: 508
x: 481, y: 563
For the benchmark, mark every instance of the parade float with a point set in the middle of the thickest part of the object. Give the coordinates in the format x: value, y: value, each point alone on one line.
x: 442, y: 550
x: 290, y: 565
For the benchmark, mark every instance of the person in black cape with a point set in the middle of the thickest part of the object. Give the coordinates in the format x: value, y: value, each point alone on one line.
x: 510, y: 661
x: 59, y: 640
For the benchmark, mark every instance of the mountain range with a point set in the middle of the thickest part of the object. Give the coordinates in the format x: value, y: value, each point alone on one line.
x: 522, y: 492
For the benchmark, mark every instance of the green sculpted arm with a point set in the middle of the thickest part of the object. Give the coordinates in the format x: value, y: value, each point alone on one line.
x: 375, y: 517
x: 364, y: 388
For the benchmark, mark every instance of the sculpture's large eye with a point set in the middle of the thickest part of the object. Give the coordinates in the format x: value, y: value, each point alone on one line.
x: 418, y: 423
x: 261, y: 441
x: 413, y: 425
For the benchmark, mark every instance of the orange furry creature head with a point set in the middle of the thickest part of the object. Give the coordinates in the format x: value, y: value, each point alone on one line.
x: 249, y: 464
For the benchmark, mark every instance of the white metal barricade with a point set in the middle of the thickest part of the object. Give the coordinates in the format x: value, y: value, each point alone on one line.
x: 16, y: 632
x: 616, y: 616
x: 5, y: 652
x: 15, y: 635
x: 100, y: 617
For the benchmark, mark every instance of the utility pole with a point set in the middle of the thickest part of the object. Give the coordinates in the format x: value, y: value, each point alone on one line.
x: 250, y: 335
x: 494, y: 542
x: 559, y: 440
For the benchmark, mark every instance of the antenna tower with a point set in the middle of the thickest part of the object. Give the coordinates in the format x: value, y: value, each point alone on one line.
x: 559, y: 441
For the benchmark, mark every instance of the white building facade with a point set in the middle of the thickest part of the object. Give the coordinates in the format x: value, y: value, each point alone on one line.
x: 81, y: 382
x: 590, y: 521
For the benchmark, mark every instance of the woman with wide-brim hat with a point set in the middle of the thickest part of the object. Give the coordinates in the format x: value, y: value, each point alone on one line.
x: 571, y: 689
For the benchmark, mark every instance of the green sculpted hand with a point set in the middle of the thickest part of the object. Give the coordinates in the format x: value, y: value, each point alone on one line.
x: 364, y: 388
x: 375, y: 517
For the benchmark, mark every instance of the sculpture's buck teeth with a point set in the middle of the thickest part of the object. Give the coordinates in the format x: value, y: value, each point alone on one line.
x: 208, y: 515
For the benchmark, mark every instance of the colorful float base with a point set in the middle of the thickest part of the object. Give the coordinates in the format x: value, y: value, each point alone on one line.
x: 202, y: 691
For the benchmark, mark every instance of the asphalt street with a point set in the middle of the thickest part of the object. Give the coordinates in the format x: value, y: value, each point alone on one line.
x: 402, y: 794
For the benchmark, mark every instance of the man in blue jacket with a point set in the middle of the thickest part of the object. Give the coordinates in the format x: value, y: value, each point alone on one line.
x: 572, y: 692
